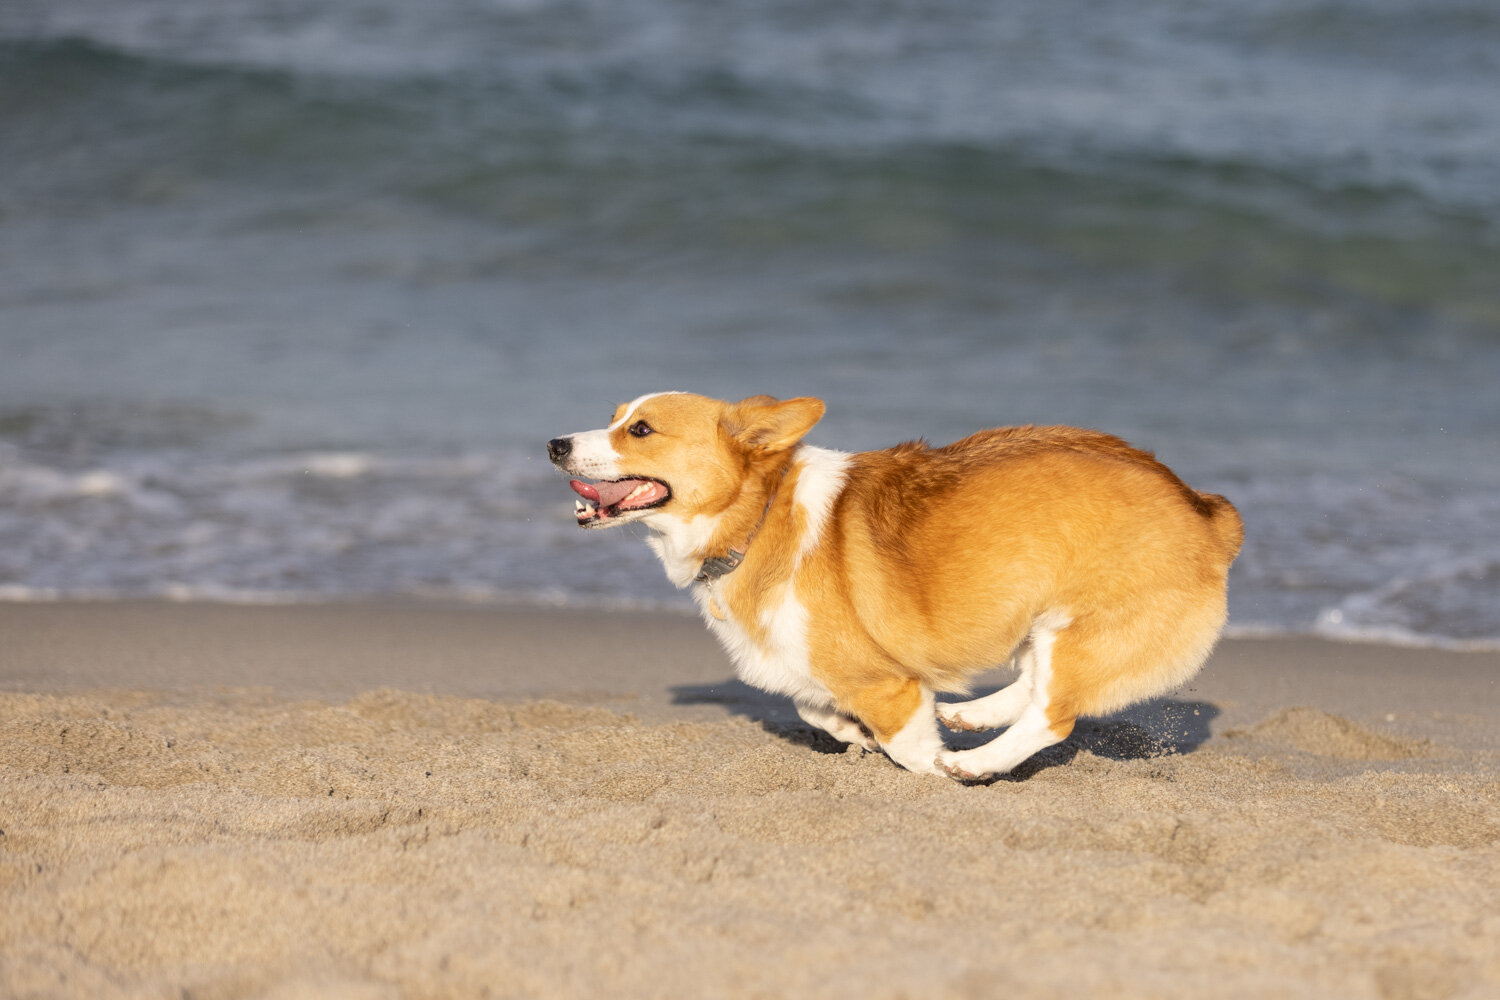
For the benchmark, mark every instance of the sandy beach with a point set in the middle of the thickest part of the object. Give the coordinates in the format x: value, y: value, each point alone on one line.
x: 409, y: 801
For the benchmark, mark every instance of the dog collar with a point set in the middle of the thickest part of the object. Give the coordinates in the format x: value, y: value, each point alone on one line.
x: 715, y: 567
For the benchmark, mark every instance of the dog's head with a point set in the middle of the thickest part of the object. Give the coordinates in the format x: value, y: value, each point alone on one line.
x: 679, y: 453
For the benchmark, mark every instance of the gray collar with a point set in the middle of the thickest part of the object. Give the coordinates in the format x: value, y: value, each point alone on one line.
x: 716, y: 566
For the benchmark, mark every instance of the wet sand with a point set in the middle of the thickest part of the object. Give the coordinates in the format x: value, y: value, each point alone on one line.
x: 412, y: 801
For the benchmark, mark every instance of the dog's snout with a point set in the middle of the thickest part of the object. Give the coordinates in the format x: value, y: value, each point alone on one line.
x: 558, y: 448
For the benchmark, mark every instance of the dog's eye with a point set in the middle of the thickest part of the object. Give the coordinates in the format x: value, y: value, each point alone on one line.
x: 640, y: 429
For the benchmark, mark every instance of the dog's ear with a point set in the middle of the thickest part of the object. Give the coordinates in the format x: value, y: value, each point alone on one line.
x: 764, y: 423
x: 750, y: 402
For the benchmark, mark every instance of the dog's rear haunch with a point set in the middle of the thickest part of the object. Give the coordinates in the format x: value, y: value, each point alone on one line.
x: 861, y: 583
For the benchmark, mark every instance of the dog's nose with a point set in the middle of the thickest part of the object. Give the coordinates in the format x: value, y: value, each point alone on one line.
x: 558, y: 448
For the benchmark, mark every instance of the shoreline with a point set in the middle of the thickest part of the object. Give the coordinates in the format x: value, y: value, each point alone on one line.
x: 503, y: 601
x: 517, y: 651
x: 405, y: 800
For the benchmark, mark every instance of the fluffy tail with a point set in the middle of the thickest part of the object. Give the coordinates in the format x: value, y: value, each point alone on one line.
x: 1225, y: 521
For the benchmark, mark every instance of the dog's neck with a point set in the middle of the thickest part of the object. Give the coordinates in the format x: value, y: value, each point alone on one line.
x: 684, y: 544
x: 715, y: 566
x: 705, y: 548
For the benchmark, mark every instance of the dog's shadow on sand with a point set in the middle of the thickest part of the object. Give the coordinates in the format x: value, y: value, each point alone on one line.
x: 1157, y: 728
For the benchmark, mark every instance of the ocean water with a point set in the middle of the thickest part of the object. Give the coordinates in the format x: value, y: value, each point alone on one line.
x: 292, y: 294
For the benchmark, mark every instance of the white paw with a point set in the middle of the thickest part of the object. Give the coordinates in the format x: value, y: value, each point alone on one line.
x: 950, y: 716
x: 953, y: 766
x: 917, y: 768
x: 852, y: 732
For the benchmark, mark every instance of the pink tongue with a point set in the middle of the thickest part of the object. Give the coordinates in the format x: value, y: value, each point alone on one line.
x: 605, y: 494
x: 612, y: 493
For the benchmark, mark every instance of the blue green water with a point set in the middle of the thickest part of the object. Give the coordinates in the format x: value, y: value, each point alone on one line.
x: 292, y: 294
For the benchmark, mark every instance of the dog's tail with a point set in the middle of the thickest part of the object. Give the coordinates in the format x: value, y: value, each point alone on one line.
x: 1225, y: 522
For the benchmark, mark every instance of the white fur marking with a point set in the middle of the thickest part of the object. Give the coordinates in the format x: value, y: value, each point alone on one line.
x: 917, y: 745
x: 636, y: 404
x: 593, y: 456
x: 680, y: 542
x: 821, y: 479
x: 782, y: 664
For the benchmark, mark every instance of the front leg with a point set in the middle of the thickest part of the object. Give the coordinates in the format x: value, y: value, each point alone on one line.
x: 899, y: 711
x: 841, y: 727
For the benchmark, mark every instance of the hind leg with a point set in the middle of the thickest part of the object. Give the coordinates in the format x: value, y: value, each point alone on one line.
x: 993, y: 711
x: 1032, y: 732
x: 1042, y: 720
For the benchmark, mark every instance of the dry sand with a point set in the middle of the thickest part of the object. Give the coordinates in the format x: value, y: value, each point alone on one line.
x: 203, y: 801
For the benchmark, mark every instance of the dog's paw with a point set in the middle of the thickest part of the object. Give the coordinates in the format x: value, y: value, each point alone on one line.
x: 950, y: 716
x: 851, y: 732
x: 947, y: 762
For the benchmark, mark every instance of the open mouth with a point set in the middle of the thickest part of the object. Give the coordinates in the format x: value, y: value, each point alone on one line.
x: 599, y: 503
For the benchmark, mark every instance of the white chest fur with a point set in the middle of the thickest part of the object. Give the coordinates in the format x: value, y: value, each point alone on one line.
x: 773, y: 656
x: 778, y: 661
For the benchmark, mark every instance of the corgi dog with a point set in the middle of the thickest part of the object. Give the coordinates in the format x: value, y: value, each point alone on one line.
x: 861, y: 584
